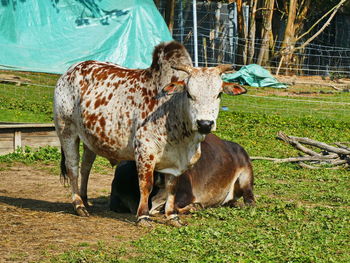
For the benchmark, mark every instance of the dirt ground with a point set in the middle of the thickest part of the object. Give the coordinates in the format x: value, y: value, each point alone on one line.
x: 37, y: 219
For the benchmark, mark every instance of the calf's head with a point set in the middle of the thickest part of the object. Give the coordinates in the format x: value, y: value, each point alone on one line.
x: 203, y: 87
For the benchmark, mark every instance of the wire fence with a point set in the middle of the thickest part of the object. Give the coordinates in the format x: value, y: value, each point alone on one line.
x: 218, y: 41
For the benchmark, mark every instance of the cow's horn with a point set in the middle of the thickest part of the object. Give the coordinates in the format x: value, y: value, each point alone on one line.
x: 224, y: 67
x: 188, y: 69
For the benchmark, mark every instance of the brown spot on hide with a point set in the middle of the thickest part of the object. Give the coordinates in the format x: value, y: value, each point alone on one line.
x: 102, y: 122
x: 97, y: 103
x: 104, y: 101
x: 144, y: 92
x: 151, y: 157
x: 101, y: 75
x: 151, y: 104
x: 174, y: 79
x: 92, y: 119
x: 88, y: 103
x: 143, y: 115
x: 110, y: 96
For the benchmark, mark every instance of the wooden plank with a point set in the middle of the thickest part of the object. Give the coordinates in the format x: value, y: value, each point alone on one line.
x: 17, y: 142
x: 26, y: 125
x: 39, y: 133
x: 26, y: 134
x: 6, y: 133
x: 40, y: 141
x: 6, y: 138
x: 6, y: 144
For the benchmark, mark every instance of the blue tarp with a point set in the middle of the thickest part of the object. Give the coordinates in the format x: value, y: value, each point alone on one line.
x: 51, y: 35
x: 255, y: 76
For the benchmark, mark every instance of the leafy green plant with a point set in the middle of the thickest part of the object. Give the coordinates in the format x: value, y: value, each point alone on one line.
x: 28, y: 155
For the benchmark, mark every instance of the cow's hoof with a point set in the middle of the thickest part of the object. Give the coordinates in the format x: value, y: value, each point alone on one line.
x: 175, y: 221
x: 81, y: 211
x: 145, y: 222
x: 86, y: 203
x: 195, y: 207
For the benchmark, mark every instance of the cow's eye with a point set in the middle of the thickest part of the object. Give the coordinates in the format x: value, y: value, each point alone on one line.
x: 219, y: 96
x: 189, y: 95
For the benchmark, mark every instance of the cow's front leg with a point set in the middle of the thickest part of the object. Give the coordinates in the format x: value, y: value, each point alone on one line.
x: 170, y: 209
x: 145, y: 173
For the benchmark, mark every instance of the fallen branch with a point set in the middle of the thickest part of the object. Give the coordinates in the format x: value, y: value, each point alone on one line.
x: 311, y: 142
x: 324, y: 154
x: 294, y: 159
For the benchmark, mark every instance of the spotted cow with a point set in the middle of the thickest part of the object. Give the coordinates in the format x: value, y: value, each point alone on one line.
x: 221, y: 176
x: 156, y: 116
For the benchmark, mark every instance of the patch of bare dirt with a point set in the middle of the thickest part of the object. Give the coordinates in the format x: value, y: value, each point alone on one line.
x: 37, y: 219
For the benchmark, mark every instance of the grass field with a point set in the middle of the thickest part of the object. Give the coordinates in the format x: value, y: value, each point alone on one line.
x: 301, y: 215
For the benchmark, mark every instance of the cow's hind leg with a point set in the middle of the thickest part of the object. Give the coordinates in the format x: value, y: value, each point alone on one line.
x: 86, y: 164
x: 244, y: 187
x: 70, y: 146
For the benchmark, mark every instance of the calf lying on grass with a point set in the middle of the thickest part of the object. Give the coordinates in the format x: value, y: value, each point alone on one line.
x: 221, y: 176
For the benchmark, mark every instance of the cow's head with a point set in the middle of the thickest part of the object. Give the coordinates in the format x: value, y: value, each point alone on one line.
x: 203, y: 87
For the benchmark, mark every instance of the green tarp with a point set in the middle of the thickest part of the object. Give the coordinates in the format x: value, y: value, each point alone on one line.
x: 51, y: 35
x: 255, y: 76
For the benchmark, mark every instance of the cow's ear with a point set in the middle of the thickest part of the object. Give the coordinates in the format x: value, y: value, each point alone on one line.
x: 171, y: 88
x: 233, y: 88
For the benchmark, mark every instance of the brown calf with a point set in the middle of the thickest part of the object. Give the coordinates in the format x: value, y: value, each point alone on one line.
x: 221, y: 176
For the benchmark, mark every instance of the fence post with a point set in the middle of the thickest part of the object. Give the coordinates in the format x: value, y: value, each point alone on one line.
x: 195, y: 35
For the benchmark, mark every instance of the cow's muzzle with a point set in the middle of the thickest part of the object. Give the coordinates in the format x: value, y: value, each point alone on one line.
x: 204, y: 126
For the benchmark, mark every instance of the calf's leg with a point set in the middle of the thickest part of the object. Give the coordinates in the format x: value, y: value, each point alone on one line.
x: 244, y: 187
x: 170, y: 208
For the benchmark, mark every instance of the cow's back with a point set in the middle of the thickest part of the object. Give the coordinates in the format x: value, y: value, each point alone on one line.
x: 103, y: 100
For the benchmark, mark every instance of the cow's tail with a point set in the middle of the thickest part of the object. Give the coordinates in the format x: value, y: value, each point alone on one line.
x: 63, y: 175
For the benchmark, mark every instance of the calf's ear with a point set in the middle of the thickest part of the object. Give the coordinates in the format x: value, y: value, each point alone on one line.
x: 233, y: 88
x: 171, y: 88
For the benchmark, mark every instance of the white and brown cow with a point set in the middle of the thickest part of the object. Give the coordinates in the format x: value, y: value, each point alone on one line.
x: 126, y: 114
x: 221, y: 176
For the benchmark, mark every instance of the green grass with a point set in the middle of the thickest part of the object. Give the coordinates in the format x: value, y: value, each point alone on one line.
x: 28, y: 102
x: 301, y: 215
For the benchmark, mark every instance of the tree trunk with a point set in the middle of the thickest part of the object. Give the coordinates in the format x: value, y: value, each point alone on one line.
x: 288, y: 43
x: 266, y: 32
x: 241, y: 56
x: 170, y: 14
x: 252, y: 31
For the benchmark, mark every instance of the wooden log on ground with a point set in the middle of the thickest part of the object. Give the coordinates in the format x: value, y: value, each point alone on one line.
x: 336, y: 157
